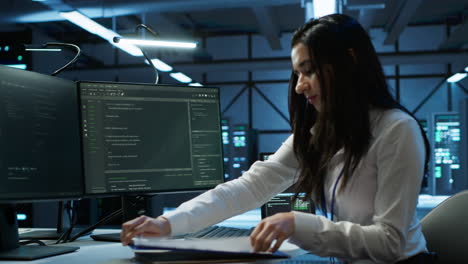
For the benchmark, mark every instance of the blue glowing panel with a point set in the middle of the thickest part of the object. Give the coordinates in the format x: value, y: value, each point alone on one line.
x: 446, y: 138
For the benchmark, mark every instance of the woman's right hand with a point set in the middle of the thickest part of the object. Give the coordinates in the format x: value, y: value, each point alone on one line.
x: 144, y: 225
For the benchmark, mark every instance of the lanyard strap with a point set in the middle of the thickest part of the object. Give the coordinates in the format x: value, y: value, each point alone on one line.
x: 324, y: 201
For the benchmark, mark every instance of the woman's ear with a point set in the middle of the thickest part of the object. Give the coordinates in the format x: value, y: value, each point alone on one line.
x: 352, y: 53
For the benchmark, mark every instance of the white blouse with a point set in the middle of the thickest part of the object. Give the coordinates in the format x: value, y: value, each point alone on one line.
x: 374, y: 215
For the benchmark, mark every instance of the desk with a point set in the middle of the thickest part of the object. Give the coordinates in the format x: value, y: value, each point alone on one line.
x: 97, y: 252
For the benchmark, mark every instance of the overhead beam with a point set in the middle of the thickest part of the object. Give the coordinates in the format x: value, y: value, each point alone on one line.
x: 400, y: 18
x: 166, y: 27
x: 367, y: 10
x: 100, y: 9
x: 268, y: 26
x: 407, y: 58
x: 284, y: 63
x: 364, y: 4
x: 457, y: 38
x: 367, y: 17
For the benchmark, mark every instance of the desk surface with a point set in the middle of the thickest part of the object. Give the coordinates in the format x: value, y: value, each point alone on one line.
x: 98, y: 252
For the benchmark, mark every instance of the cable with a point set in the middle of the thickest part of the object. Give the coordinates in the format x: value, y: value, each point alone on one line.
x: 64, y: 45
x: 32, y: 241
x: 94, y: 226
x: 154, y: 33
x: 104, y: 220
x: 156, y: 72
x: 69, y: 45
x: 72, y: 214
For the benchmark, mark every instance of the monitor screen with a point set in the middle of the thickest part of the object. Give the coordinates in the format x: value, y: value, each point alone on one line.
x: 143, y: 138
x: 446, y: 162
x: 39, y: 137
x: 284, y: 202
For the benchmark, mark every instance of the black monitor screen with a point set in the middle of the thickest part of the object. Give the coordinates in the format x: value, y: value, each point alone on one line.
x: 40, y: 155
x: 150, y: 138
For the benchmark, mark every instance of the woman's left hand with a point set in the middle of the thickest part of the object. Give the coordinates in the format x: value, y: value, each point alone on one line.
x: 277, y: 227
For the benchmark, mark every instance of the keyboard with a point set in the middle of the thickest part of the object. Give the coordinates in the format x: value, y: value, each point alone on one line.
x: 218, y: 232
x: 209, y: 232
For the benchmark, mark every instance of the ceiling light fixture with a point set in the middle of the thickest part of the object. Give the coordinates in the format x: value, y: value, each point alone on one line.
x: 156, y: 43
x: 95, y: 28
x: 457, y: 77
x: 161, y: 65
x: 181, y: 77
x: 324, y: 7
x: 39, y: 49
x: 17, y: 66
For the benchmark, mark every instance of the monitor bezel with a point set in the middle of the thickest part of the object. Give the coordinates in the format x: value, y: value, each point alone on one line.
x: 152, y: 192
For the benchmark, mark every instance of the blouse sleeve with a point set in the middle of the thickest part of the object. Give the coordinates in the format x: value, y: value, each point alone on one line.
x: 262, y: 181
x: 400, y: 159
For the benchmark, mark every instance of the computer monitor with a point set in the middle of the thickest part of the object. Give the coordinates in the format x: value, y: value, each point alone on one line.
x: 39, y: 149
x: 446, y: 152
x: 145, y: 138
x: 284, y: 202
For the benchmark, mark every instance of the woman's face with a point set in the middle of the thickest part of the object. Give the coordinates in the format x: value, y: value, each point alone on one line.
x: 307, y: 80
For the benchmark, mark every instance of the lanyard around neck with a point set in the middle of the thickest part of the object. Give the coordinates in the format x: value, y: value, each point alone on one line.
x: 324, y: 201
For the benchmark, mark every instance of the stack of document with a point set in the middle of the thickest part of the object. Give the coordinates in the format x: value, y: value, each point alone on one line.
x: 235, y: 248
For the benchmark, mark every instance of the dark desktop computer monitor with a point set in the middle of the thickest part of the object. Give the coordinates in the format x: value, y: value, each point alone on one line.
x: 144, y: 139
x: 39, y: 150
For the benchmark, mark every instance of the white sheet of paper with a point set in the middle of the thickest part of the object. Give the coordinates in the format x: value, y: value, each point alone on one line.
x: 232, y: 244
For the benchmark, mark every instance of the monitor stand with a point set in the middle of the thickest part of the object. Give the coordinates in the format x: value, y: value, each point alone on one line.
x: 63, y: 223
x: 132, y: 207
x: 9, y: 247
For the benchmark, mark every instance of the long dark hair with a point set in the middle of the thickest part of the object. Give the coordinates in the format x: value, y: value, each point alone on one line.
x: 352, y: 82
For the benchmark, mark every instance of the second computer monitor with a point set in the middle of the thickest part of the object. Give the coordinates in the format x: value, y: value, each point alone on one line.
x: 141, y: 138
x: 39, y: 137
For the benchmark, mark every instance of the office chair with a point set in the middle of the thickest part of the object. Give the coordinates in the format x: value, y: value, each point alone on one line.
x: 446, y: 229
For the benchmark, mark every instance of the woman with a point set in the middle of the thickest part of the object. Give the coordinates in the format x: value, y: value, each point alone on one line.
x: 357, y: 152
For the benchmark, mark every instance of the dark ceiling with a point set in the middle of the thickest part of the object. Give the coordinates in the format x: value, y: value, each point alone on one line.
x: 201, y: 18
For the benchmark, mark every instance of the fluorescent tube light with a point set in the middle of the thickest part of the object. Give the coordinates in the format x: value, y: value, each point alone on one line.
x: 95, y: 28
x: 456, y: 77
x: 324, y: 7
x: 195, y: 84
x: 17, y: 66
x: 161, y: 65
x: 43, y: 49
x: 181, y: 77
x: 157, y: 43
x: 21, y: 217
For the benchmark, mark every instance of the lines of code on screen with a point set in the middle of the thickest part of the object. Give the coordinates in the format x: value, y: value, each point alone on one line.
x: 150, y: 138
